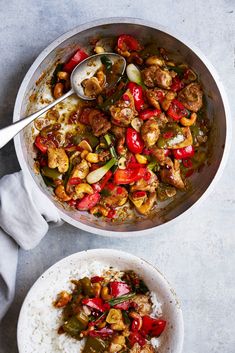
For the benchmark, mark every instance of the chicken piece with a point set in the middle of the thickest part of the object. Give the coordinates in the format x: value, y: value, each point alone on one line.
x: 154, y: 76
x: 123, y: 111
x: 57, y: 158
x: 80, y: 170
x: 155, y: 96
x: 119, y: 133
x: 92, y: 87
x: 150, y: 132
x: 146, y: 185
x: 144, y: 304
x: 160, y: 155
x: 99, y: 122
x: 96, y: 119
x: 147, y: 348
x: 191, y: 97
x: 171, y: 174
x: 62, y: 299
x: 114, y: 195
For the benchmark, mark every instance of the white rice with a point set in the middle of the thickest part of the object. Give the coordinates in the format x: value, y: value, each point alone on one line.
x: 43, y: 320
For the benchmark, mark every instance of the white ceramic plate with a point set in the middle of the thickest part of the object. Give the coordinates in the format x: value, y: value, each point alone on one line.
x: 39, y: 320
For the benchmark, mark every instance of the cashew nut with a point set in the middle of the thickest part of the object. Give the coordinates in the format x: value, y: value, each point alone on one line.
x: 92, y: 157
x: 119, y: 326
x: 97, y: 289
x: 58, y: 90
x: 141, y: 159
x: 61, y: 194
x: 57, y: 158
x: 83, y: 188
x: 154, y: 60
x: 146, y: 207
x: 105, y: 293
x: 81, y: 170
x: 99, y: 50
x: 63, y: 75
x: 99, y: 209
x: 189, y: 121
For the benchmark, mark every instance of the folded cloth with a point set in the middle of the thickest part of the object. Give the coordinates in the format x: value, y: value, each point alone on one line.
x: 25, y: 217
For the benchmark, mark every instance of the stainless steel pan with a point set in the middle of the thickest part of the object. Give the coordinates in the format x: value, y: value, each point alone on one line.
x: 218, y: 111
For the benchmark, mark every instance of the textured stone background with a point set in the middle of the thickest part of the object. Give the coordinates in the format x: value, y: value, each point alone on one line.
x: 197, y: 255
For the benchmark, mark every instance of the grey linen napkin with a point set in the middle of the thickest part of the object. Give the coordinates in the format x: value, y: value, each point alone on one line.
x: 25, y: 216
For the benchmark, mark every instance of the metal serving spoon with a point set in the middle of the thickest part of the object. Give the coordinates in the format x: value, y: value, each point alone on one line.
x: 85, y: 70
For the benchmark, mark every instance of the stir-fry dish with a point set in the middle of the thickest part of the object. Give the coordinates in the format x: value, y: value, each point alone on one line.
x: 136, y: 144
x: 112, y: 313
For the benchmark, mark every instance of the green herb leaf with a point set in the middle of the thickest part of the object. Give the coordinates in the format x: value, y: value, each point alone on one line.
x: 121, y: 299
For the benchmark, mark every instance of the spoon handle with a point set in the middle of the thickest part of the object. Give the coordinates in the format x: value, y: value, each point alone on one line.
x: 8, y: 132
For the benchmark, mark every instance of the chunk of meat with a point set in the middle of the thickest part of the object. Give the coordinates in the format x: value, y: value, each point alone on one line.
x: 191, y: 97
x: 145, y: 205
x: 160, y: 155
x: 144, y: 304
x: 120, y: 134
x: 150, y: 132
x: 146, y: 185
x: 124, y: 110
x: 155, y: 76
x: 99, y: 122
x: 147, y: 348
x: 96, y: 118
x: 155, y: 96
x: 114, y: 195
x: 171, y: 174
x: 57, y: 158
x: 118, y: 131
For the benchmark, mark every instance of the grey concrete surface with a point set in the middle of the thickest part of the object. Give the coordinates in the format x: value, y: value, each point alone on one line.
x: 197, y: 255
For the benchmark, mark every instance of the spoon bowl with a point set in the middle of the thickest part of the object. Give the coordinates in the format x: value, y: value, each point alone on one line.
x: 83, y: 71
x: 88, y: 68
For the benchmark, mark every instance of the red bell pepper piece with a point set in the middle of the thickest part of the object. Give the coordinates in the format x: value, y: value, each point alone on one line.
x: 40, y: 144
x: 134, y: 141
x: 128, y: 43
x: 79, y: 56
x: 136, y: 337
x: 96, y: 303
x: 119, y: 288
x: 152, y: 327
x: 74, y: 181
x: 185, y: 152
x: 177, y: 84
x: 88, y: 201
x: 72, y: 203
x: 105, y: 332
x: 138, y: 95
x: 128, y: 176
x: 187, y: 163
x: 101, y: 184
x: 138, y: 194
x: 177, y: 110
x: 122, y: 306
x: 96, y: 279
x: 111, y: 214
x: 149, y: 113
